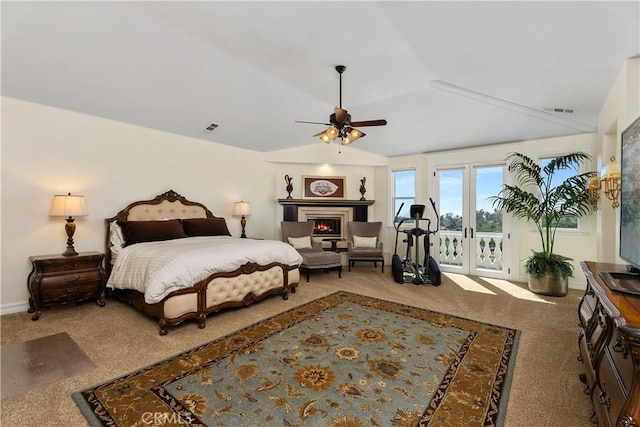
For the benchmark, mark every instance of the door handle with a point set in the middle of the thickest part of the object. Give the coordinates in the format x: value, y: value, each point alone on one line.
x: 471, y: 232
x: 465, y: 232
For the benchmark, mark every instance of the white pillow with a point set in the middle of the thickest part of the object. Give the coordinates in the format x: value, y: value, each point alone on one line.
x: 300, y: 242
x: 364, y: 242
x: 116, y: 237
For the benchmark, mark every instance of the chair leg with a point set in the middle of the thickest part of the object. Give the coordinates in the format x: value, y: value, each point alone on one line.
x: 382, y: 266
x: 307, y: 274
x: 340, y: 272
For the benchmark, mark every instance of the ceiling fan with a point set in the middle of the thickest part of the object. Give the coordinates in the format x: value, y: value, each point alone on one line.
x: 340, y: 124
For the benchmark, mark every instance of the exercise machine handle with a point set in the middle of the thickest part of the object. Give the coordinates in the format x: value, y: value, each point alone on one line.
x: 433, y: 205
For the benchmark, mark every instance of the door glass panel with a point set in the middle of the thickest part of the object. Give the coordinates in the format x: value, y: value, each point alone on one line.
x: 488, y: 227
x: 451, y: 208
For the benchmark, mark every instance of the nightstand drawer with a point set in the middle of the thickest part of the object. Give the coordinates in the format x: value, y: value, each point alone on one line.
x: 70, y: 278
x: 65, y: 265
x: 74, y: 289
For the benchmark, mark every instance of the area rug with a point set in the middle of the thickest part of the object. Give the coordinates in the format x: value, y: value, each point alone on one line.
x: 341, y: 360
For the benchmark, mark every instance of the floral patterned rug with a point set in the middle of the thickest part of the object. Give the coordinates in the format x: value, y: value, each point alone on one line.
x: 341, y: 360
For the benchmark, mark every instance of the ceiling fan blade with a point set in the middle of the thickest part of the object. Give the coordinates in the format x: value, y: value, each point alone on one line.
x: 314, y: 123
x: 341, y: 115
x: 364, y: 123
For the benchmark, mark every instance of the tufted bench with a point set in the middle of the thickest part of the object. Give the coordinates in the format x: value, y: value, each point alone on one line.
x: 321, y: 261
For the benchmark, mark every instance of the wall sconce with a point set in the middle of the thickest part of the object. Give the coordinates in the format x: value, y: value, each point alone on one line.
x: 610, y: 175
x: 68, y: 206
x: 242, y: 209
x: 593, y: 189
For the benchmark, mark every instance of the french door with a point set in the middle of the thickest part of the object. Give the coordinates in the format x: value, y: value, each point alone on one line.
x: 471, y: 238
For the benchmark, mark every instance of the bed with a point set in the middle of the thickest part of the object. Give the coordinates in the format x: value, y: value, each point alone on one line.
x: 173, y: 259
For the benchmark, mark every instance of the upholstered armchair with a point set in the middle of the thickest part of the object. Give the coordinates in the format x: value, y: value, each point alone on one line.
x: 364, y: 243
x: 299, y: 235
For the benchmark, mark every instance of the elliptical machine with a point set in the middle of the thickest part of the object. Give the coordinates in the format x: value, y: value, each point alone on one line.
x: 408, y: 269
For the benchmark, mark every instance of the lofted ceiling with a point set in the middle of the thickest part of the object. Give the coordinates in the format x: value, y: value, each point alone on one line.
x: 444, y: 75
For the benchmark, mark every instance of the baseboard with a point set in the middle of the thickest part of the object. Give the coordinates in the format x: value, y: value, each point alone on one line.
x: 14, y: 307
x: 577, y: 284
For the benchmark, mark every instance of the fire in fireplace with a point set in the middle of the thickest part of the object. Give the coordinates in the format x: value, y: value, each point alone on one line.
x: 326, y: 227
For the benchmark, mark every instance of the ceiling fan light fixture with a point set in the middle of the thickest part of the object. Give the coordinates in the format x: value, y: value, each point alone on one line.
x: 340, y: 124
x: 324, y: 137
x: 352, y: 134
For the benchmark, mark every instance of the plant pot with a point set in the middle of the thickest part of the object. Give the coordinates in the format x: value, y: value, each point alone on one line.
x: 549, y: 284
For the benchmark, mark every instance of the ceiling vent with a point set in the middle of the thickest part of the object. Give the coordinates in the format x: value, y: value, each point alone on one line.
x: 559, y: 110
x: 211, y: 127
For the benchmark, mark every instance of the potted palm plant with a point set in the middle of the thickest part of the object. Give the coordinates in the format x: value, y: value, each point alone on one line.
x: 537, y: 198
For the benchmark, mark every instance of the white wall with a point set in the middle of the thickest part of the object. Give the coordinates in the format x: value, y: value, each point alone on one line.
x: 620, y: 109
x: 47, y: 151
x: 579, y: 246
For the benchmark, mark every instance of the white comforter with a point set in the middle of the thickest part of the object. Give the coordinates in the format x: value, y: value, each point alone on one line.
x: 159, y: 268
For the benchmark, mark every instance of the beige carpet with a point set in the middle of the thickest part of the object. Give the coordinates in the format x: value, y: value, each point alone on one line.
x: 545, y: 389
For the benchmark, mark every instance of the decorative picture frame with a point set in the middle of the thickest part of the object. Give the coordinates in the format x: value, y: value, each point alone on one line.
x: 323, y: 187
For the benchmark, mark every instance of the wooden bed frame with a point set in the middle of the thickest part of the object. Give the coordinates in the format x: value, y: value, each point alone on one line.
x: 248, y: 284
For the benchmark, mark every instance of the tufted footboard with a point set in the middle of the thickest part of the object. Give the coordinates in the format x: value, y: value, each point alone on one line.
x: 244, y: 286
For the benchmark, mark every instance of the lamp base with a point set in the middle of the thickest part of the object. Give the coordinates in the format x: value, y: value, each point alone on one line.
x: 70, y: 251
x: 70, y: 228
x: 243, y: 223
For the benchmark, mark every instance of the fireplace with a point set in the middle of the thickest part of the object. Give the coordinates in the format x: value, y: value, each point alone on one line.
x: 330, y: 217
x: 327, y: 226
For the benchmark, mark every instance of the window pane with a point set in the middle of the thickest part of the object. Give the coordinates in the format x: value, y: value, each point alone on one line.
x: 405, y: 183
x: 404, y: 213
x: 404, y: 190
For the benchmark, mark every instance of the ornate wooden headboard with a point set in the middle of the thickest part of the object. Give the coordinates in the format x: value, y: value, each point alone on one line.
x: 169, y: 205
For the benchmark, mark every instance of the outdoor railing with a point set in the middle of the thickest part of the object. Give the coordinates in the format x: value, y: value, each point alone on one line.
x: 488, y: 249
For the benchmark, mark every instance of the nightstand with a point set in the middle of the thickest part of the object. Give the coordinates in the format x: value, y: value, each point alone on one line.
x: 57, y: 279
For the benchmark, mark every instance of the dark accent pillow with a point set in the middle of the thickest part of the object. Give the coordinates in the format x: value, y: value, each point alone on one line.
x: 205, y: 227
x: 151, y: 231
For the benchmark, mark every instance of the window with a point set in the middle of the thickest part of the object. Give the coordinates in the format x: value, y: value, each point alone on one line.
x: 404, y: 191
x: 566, y: 223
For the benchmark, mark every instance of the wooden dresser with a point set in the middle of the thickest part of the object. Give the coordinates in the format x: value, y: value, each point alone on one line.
x: 609, y: 344
x: 57, y: 279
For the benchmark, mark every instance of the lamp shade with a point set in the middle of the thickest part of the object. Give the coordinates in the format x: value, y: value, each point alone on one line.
x: 611, y: 169
x: 68, y: 206
x: 241, y: 208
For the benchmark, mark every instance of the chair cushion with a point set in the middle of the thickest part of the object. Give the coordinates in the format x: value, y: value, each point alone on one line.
x: 322, y: 259
x: 366, y: 253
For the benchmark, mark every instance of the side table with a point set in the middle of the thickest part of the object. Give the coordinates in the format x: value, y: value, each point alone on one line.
x: 57, y: 279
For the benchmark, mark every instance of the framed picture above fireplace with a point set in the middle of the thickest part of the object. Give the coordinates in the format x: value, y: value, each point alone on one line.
x: 323, y: 187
